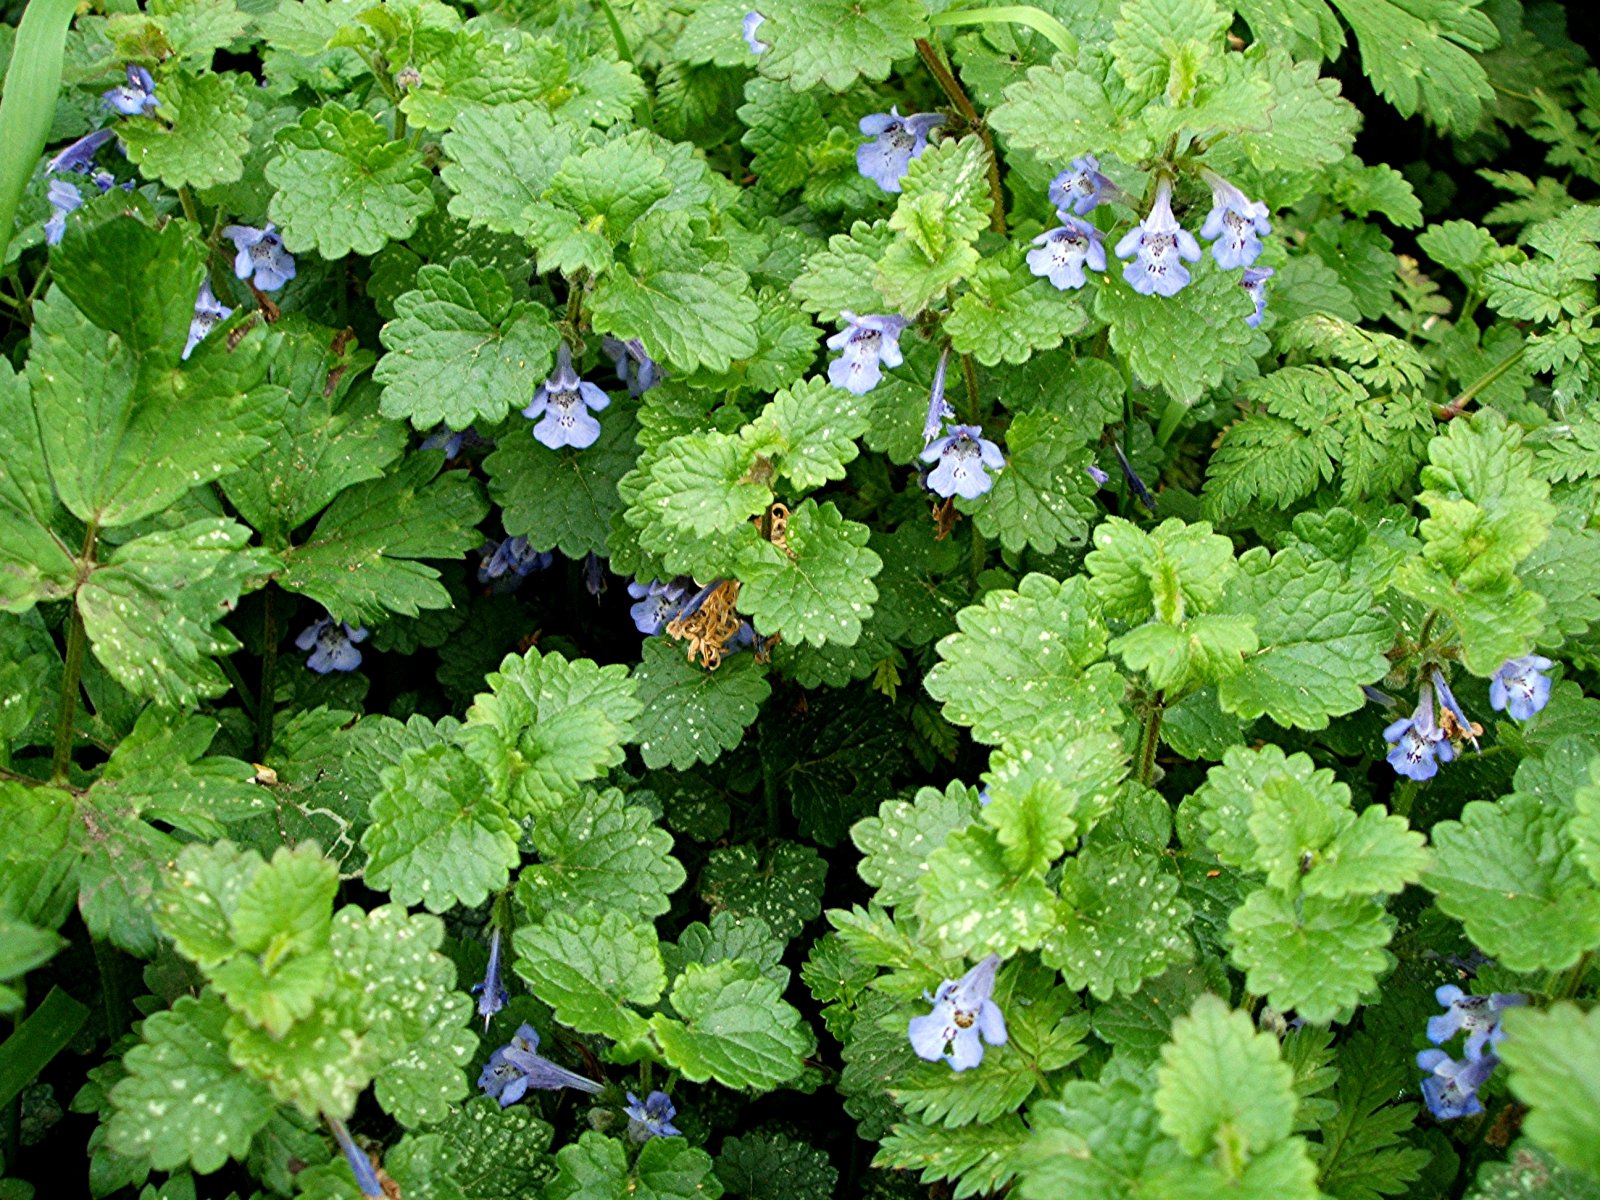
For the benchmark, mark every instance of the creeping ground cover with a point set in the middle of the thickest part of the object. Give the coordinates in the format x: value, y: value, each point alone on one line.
x: 654, y: 600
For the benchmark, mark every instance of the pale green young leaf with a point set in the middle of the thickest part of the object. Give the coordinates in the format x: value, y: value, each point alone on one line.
x: 151, y: 608
x: 735, y: 1027
x: 1310, y: 124
x: 821, y: 589
x: 204, y: 144
x: 182, y: 1102
x: 841, y: 277
x: 809, y: 430
x: 1154, y: 37
x: 590, y: 966
x: 1089, y: 1142
x: 972, y: 904
x: 1123, y: 922
x: 1377, y: 853
x: 343, y: 186
x: 461, y: 350
x: 944, y: 205
x: 689, y: 714
x: 1554, y: 1057
x: 1507, y: 872
x: 1318, y: 956
x: 1047, y: 789
x: 189, y: 30
x: 1322, y: 638
x: 360, y: 561
x: 781, y: 124
x: 1249, y: 1116
x: 501, y: 159
x: 1060, y: 112
x: 439, y: 835
x: 551, y: 725
x: 896, y: 843
x: 1201, y: 650
x: 601, y: 851
x: 782, y: 885
x: 712, y: 34
x: 1008, y: 313
x: 680, y: 295
x: 1261, y: 810
x: 836, y: 42
x: 485, y: 71
x: 1026, y: 656
x: 1167, y: 573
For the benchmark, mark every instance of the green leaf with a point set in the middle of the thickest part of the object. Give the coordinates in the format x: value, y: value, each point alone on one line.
x: 22, y: 948
x: 977, y: 1159
x: 563, y: 499
x: 1185, y: 343
x: 1060, y: 112
x: 1047, y: 789
x: 1418, y: 56
x: 1554, y: 1058
x: 182, y: 1100
x: 553, y: 724
x: 595, y: 1167
x: 701, y: 483
x: 680, y: 295
x: 783, y: 886
x: 1027, y: 656
x: 1249, y: 1116
x: 1167, y: 573
x: 343, y: 186
x: 1318, y: 956
x: 1124, y: 922
x: 1532, y: 1174
x: 359, y: 562
x: 1008, y: 313
x: 35, y: 562
x: 896, y: 843
x: 972, y: 904
x: 460, y: 350
x: 603, y: 852
x: 749, y: 939
x: 841, y: 277
x: 439, y: 835
x: 1147, y: 47
x: 838, y: 41
x: 944, y: 205
x: 1044, y: 496
x: 1309, y: 124
x: 810, y: 431
x: 207, y: 140
x: 821, y: 590
x: 1091, y: 1142
x: 151, y: 608
x: 736, y: 1028
x: 689, y: 714
x: 1322, y: 638
x: 502, y: 1151
x: 501, y: 160
x: 590, y: 966
x: 772, y: 1166
x: 1375, y: 853
x: 1506, y: 870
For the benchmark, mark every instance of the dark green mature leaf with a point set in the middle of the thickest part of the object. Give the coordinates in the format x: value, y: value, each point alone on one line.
x: 205, y: 144
x: 736, y: 1028
x: 838, y: 41
x: 590, y: 967
x: 359, y: 562
x: 343, y: 186
x: 503, y: 1152
x: 601, y: 851
x: 821, y: 589
x: 690, y: 714
x: 461, y: 350
x: 1417, y: 56
x: 775, y: 1167
x: 501, y: 161
x: 1044, y: 496
x: 783, y: 886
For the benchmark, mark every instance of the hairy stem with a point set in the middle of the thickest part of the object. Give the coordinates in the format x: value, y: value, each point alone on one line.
x: 187, y: 200
x: 969, y: 372
x: 1149, y: 738
x: 72, y: 668
x: 952, y: 88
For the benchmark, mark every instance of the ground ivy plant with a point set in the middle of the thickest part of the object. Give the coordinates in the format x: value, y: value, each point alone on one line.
x: 888, y: 598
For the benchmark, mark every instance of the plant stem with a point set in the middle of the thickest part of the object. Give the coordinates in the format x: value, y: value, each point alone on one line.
x: 1015, y: 14
x: 187, y: 201
x: 1149, y: 738
x: 72, y: 667
x: 113, y: 996
x: 952, y: 88
x: 980, y: 553
x: 269, y: 676
x: 970, y: 374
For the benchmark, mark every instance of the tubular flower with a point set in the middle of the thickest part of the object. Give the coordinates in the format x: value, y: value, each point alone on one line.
x: 752, y: 22
x: 209, y: 312
x: 562, y: 407
x: 1417, y: 740
x: 1156, y: 245
x: 651, y: 1117
x: 260, y: 253
x: 939, y: 410
x: 491, y: 993
x: 133, y: 98
x: 1478, y: 1016
x: 1519, y: 688
x: 1254, y: 283
x: 963, y: 1019
x: 896, y: 141
x: 517, y: 1066
x: 962, y: 456
x: 1235, y: 225
x: 1081, y: 188
x: 869, y: 344
x: 332, y: 645
x: 1063, y: 253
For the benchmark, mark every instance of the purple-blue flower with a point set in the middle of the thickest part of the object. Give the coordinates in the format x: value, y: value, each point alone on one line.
x: 564, y: 402
x: 1156, y: 245
x: 1478, y: 1016
x: 594, y: 574
x: 658, y: 603
x: 939, y: 410
x: 78, y: 158
x: 209, y: 312
x: 332, y: 645
x: 1459, y: 725
x: 136, y: 96
x: 64, y: 197
x: 1518, y: 688
x: 360, y: 1164
x: 1254, y: 283
x: 1063, y: 252
x: 446, y: 439
x: 517, y: 1066
x: 506, y: 564
x: 962, y: 456
x: 491, y: 993
x: 260, y: 253
x: 866, y: 342
x: 1235, y: 225
x: 1135, y: 484
x: 896, y: 141
x: 1095, y: 473
x: 752, y: 22
x: 1451, y: 1087
x: 651, y: 1117
x: 635, y: 368
x: 963, y: 1019
x: 1417, y: 740
x: 1081, y: 188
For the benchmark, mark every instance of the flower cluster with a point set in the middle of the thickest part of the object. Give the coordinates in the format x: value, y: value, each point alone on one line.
x: 1450, y: 1086
x: 506, y: 564
x: 962, y: 452
x: 1421, y: 742
x: 517, y: 1066
x: 964, y: 1017
x: 65, y: 196
x: 332, y: 645
x: 562, y: 407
